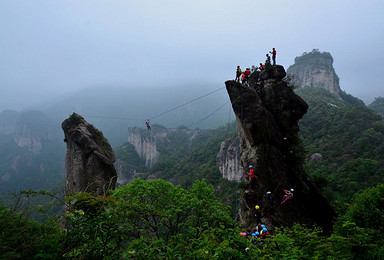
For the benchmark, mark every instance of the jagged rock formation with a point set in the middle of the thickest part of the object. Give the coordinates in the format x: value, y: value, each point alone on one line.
x: 89, y: 158
x: 267, y: 123
x: 228, y: 160
x: 315, y: 69
x: 148, y: 142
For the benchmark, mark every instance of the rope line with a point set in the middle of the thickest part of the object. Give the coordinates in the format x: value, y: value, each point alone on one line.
x: 193, y: 100
x: 209, y: 115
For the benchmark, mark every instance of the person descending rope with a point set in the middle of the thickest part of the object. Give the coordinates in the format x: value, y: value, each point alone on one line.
x: 247, y: 72
x: 147, y: 124
x: 271, y: 202
x: 273, y: 52
x: 238, y: 74
x: 267, y: 60
x: 251, y: 173
x: 287, y: 196
x: 261, y: 67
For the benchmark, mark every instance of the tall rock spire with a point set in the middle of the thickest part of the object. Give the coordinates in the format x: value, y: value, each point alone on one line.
x: 267, y: 122
x: 89, y: 158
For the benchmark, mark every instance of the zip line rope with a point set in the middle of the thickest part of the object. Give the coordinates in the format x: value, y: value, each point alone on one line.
x: 197, y: 123
x: 165, y: 112
x: 193, y: 100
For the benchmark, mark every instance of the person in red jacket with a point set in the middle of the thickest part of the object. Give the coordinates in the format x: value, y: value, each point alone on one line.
x: 247, y: 72
x: 261, y: 67
x: 287, y: 196
x: 251, y: 173
x: 273, y: 52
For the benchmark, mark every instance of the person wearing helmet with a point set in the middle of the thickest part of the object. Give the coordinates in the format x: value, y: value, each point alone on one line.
x: 238, y: 74
x: 257, y: 214
x: 251, y: 173
x: 287, y: 196
x: 271, y: 203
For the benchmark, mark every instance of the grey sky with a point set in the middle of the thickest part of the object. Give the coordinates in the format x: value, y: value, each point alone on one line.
x: 51, y: 47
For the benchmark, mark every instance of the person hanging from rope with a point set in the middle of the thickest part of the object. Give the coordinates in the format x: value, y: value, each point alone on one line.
x: 238, y: 74
x: 287, y: 196
x: 273, y: 52
x: 251, y: 173
x: 147, y: 124
x: 271, y: 202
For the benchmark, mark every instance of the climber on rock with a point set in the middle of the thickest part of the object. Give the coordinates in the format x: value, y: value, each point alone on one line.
x: 271, y: 202
x: 251, y: 173
x: 261, y: 67
x: 287, y: 196
x: 247, y: 72
x: 147, y: 124
x: 273, y: 52
x: 257, y: 214
x: 267, y: 60
x: 238, y: 74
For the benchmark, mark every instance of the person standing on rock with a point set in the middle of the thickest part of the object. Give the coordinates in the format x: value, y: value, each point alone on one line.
x: 238, y: 73
x: 261, y: 68
x: 273, y: 52
x: 287, y: 196
x: 247, y: 72
x: 267, y: 60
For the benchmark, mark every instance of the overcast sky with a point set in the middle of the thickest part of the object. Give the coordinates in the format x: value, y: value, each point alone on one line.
x: 52, y: 47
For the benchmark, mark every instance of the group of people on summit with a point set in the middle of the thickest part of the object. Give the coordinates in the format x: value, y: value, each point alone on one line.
x: 244, y: 75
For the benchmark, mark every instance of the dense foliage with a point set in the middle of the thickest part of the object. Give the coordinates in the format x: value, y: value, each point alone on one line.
x: 157, y: 220
x: 350, y: 137
x: 378, y: 106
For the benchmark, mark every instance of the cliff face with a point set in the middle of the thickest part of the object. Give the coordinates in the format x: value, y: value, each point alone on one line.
x: 89, y: 158
x: 267, y: 123
x: 315, y: 69
x: 228, y: 160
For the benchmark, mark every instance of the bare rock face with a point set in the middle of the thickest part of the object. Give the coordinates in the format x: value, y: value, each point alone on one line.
x: 89, y: 158
x: 228, y: 160
x: 267, y: 122
x: 316, y: 157
x: 315, y: 69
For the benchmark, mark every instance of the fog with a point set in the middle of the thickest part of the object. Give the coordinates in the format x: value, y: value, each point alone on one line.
x: 51, y: 48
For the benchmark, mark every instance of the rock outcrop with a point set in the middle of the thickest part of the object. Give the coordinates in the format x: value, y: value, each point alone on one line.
x: 267, y: 122
x: 89, y: 158
x: 315, y: 69
x: 228, y: 160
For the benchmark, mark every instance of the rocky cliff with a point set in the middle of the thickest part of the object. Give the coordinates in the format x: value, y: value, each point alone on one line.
x: 267, y: 122
x: 315, y: 69
x: 89, y: 158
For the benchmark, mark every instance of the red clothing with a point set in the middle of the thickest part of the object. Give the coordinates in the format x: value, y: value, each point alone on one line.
x: 251, y: 173
x: 273, y: 53
x: 247, y: 73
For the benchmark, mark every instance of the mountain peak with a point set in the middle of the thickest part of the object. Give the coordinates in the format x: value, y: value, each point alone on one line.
x: 315, y: 69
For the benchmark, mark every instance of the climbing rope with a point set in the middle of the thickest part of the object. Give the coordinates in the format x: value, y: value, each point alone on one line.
x: 206, y: 117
